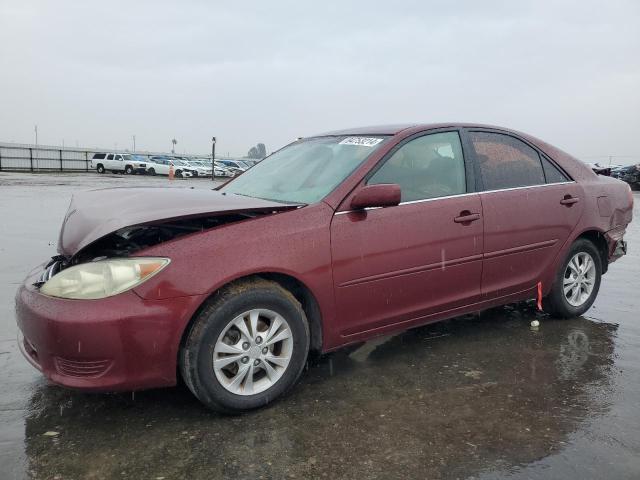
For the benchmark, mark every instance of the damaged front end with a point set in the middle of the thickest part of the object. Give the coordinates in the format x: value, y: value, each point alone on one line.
x: 147, y: 217
x: 129, y: 240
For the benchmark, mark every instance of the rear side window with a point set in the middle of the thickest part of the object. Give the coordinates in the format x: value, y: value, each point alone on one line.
x: 430, y: 166
x: 99, y: 156
x: 553, y: 173
x: 506, y: 162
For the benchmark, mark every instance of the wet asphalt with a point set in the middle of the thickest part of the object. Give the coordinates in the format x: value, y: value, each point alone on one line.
x: 483, y: 396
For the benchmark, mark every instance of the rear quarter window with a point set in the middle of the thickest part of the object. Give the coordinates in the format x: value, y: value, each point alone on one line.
x: 552, y: 173
x: 99, y: 156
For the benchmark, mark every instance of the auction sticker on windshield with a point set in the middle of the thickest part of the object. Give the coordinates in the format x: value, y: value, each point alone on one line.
x: 362, y: 141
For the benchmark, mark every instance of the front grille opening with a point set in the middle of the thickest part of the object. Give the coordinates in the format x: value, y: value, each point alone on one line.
x: 55, y: 265
x: 81, y: 368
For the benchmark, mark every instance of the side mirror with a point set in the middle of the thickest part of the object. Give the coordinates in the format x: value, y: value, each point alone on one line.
x: 383, y: 195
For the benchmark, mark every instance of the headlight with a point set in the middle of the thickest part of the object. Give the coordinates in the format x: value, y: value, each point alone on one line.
x: 104, y: 278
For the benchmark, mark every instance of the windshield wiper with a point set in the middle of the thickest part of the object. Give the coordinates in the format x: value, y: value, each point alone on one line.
x: 272, y: 199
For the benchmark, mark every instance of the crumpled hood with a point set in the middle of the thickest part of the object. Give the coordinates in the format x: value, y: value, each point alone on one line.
x: 96, y: 213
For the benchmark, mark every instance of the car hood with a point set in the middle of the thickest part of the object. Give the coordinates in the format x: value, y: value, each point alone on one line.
x: 96, y: 213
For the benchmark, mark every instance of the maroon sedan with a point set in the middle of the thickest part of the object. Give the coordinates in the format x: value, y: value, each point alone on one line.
x: 332, y: 240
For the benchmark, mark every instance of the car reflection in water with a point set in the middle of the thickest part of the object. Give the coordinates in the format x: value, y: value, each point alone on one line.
x: 457, y: 398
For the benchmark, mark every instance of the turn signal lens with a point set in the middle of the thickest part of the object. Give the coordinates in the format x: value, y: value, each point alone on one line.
x: 102, y: 279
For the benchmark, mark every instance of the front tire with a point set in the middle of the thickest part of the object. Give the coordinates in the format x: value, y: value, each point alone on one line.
x: 128, y: 170
x: 246, y: 347
x: 577, y: 282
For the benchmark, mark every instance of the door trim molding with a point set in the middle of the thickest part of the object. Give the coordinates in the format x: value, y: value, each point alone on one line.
x: 412, y: 270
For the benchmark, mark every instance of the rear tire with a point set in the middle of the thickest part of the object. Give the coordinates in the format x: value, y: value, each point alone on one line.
x: 100, y: 168
x: 151, y: 172
x: 577, y: 282
x: 273, y: 368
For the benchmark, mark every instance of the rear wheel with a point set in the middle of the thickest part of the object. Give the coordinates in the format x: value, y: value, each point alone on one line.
x: 100, y: 168
x: 247, y: 347
x: 151, y: 171
x: 577, y: 282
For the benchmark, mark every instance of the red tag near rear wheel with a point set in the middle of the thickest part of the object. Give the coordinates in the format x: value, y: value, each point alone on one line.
x: 540, y: 296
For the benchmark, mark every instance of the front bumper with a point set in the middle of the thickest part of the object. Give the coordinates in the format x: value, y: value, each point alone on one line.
x: 118, y: 343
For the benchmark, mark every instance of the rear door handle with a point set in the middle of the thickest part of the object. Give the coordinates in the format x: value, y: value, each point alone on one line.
x: 467, y: 217
x: 569, y: 200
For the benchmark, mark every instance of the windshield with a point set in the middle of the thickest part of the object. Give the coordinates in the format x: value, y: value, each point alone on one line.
x: 305, y: 171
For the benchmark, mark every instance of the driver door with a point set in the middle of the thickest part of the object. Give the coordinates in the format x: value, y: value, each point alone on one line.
x: 399, y: 265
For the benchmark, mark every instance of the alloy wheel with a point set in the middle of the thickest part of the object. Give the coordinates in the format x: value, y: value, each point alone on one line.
x: 579, y: 279
x: 252, y: 352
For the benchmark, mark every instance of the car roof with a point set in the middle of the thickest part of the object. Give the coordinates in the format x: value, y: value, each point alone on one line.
x: 370, y: 130
x: 394, y: 129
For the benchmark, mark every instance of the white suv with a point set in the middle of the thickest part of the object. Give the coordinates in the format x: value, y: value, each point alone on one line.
x: 118, y: 162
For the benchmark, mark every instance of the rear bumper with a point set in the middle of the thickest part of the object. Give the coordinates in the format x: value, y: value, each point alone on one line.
x: 114, y: 344
x: 616, y: 243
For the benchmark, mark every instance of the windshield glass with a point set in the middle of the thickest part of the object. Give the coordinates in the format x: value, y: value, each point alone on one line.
x: 305, y: 171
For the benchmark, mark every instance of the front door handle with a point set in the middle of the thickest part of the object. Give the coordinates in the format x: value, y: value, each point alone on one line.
x: 467, y: 217
x: 569, y: 200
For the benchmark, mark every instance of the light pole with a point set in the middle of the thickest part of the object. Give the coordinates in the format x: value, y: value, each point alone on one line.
x: 213, y: 158
x: 134, y: 143
x: 174, y: 142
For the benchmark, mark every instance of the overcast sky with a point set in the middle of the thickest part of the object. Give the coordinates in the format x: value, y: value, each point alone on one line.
x: 97, y: 73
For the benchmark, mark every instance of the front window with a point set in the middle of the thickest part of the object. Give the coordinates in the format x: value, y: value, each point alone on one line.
x: 430, y: 166
x: 305, y: 171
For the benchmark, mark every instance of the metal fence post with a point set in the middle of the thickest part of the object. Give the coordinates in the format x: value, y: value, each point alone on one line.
x: 60, y: 160
x: 31, y: 159
x: 0, y: 159
x: 86, y: 160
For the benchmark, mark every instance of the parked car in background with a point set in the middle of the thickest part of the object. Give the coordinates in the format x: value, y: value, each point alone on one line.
x: 629, y: 174
x: 118, y: 163
x: 599, y: 169
x: 238, y: 165
x: 160, y: 165
x: 228, y: 170
x: 200, y: 168
x: 332, y: 240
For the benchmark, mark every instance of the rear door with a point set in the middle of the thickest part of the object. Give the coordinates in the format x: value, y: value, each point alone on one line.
x: 161, y: 166
x: 109, y: 163
x: 397, y: 264
x: 530, y: 208
x: 118, y: 163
